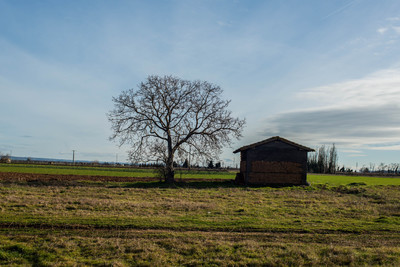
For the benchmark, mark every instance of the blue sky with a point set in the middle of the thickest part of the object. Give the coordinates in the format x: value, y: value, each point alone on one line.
x: 316, y: 72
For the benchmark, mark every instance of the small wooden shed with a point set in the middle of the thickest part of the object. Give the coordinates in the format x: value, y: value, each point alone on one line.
x: 273, y: 161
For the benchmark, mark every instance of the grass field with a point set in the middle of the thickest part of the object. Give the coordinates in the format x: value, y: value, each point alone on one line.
x: 344, y: 179
x: 203, y: 174
x: 335, y: 221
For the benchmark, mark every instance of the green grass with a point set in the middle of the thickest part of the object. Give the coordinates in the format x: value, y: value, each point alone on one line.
x: 338, y: 220
x: 109, y: 223
x: 344, y: 180
x: 171, y: 248
x: 190, y: 208
x: 204, y: 174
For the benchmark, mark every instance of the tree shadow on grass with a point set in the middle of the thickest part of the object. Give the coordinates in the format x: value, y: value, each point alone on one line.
x: 182, y: 184
x: 179, y: 184
x: 196, y: 185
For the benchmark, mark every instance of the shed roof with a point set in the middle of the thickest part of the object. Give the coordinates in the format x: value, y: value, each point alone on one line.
x: 272, y: 139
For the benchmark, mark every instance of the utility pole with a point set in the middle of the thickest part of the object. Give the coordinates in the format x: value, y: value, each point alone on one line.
x: 73, y: 157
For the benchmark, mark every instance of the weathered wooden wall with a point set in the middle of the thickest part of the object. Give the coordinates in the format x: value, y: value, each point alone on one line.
x: 274, y: 163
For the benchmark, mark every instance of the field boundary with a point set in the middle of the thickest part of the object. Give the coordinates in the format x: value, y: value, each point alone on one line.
x: 23, y: 177
x: 43, y: 226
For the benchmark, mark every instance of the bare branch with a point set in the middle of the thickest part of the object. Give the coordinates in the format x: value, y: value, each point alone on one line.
x: 168, y: 115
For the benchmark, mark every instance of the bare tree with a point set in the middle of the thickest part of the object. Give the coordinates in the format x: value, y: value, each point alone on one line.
x: 393, y: 167
x: 167, y: 117
x: 333, y: 159
x: 382, y: 167
x: 323, y: 160
x: 372, y: 167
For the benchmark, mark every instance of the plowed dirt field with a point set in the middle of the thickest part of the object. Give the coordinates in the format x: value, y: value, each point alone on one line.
x: 13, y: 176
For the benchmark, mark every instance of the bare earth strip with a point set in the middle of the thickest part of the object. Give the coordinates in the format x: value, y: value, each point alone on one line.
x: 14, y: 176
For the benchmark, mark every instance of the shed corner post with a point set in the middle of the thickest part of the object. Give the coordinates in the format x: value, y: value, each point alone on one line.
x: 304, y: 176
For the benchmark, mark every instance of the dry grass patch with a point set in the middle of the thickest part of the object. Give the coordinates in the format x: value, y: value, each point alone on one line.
x: 122, y: 224
x: 149, y: 247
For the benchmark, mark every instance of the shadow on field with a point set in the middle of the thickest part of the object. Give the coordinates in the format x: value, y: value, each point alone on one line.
x: 145, y: 183
x: 181, y: 184
x: 197, y: 184
x: 138, y: 184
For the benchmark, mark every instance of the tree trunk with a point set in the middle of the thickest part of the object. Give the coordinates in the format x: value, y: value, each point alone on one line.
x: 169, y: 177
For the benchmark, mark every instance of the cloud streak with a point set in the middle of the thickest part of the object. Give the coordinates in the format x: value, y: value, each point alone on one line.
x: 379, y: 88
x: 356, y: 114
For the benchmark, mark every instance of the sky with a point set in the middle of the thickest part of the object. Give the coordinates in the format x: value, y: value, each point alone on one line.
x: 315, y: 72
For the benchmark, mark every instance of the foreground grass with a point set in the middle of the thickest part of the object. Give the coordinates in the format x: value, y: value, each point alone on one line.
x: 166, y: 248
x: 97, y: 223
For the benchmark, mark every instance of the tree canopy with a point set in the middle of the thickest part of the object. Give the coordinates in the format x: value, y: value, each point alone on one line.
x: 167, y: 117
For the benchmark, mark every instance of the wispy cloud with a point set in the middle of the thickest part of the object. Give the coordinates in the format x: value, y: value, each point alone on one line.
x: 379, y: 88
x: 341, y: 9
x: 351, y: 127
x: 224, y: 23
x: 356, y: 114
x: 386, y: 147
x: 396, y: 29
x: 382, y: 30
x: 393, y: 19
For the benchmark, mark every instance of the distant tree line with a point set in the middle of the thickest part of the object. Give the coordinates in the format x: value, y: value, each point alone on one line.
x: 381, y: 168
x: 186, y: 165
x: 323, y: 160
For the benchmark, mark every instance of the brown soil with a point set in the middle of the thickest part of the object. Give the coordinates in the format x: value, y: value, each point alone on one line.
x: 13, y: 176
